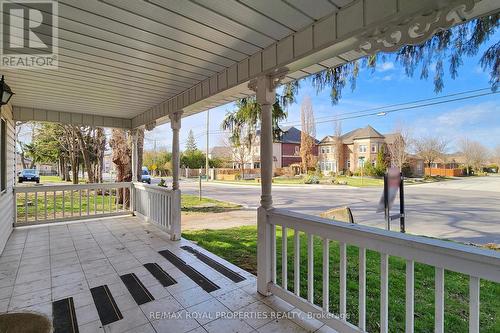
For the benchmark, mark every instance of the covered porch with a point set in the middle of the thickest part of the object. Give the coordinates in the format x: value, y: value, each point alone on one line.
x: 135, y: 71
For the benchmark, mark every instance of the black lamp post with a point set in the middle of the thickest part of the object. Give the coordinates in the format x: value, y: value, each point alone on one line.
x: 5, y: 92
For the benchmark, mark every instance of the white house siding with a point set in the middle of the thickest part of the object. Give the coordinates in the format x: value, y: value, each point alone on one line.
x: 7, y: 197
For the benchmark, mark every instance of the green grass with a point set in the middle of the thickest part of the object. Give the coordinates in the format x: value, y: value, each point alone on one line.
x: 351, y: 181
x: 36, y: 204
x: 192, y: 203
x: 55, y: 179
x: 239, y: 246
x: 361, y: 182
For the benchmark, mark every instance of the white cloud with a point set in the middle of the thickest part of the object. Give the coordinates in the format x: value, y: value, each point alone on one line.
x: 386, y: 66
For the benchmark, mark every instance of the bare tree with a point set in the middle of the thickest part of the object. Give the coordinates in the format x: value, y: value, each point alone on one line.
x: 338, y: 145
x: 474, y: 153
x: 430, y: 149
x: 122, y: 157
x: 242, y: 149
x: 399, y: 147
x: 496, y: 155
x: 308, y: 135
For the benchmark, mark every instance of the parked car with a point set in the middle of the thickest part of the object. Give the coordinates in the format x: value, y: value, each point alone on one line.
x: 145, y: 177
x: 29, y: 175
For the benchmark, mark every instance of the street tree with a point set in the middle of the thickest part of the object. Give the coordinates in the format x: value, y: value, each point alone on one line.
x: 308, y: 135
x: 430, y: 148
x: 399, y: 147
x: 338, y: 145
x: 191, y: 142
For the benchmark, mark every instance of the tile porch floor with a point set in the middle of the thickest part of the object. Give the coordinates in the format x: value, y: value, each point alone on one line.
x: 46, y: 263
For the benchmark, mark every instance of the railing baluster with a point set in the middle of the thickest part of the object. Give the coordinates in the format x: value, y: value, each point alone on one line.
x: 273, y: 253
x: 95, y: 201
x: 63, y: 203
x: 80, y: 202
x: 26, y: 207
x: 36, y: 206
x: 343, y: 278
x: 474, y: 285
x: 71, y: 200
x: 116, y: 199
x: 296, y: 266
x: 103, y: 191
x: 439, y: 301
x: 109, y: 198
x: 410, y: 296
x: 284, y: 258
x: 88, y: 202
x: 45, y: 200
x: 55, y: 204
x: 326, y: 273
x: 384, y: 293
x: 362, y: 288
x: 310, y: 268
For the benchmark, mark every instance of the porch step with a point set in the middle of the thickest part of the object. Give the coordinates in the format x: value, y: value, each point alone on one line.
x: 192, y: 273
x: 138, y: 291
x: 64, y: 316
x: 163, y: 277
x: 105, y: 304
x: 230, y: 274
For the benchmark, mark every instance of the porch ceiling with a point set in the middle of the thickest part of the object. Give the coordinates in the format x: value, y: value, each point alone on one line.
x: 137, y: 61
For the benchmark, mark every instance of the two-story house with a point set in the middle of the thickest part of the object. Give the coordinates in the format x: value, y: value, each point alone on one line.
x: 286, y: 150
x: 356, y: 148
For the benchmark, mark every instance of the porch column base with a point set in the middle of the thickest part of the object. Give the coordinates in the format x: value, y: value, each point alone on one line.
x: 264, y: 257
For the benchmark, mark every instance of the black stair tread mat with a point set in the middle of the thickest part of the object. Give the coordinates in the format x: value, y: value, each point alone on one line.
x: 138, y: 291
x: 192, y: 273
x: 230, y: 274
x: 64, y: 316
x: 105, y: 304
x: 163, y: 277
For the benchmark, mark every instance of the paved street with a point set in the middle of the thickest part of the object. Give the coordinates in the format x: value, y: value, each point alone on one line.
x: 463, y: 210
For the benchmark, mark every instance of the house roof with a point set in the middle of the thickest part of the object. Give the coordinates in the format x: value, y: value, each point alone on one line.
x: 367, y: 132
x: 292, y: 134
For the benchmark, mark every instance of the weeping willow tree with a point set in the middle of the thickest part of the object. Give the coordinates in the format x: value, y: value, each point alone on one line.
x: 446, y: 46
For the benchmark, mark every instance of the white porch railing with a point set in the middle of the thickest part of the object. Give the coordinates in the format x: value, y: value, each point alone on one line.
x: 442, y: 255
x: 53, y: 203
x: 159, y: 206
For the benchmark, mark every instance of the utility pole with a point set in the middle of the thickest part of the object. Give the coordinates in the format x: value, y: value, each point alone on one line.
x: 208, y: 136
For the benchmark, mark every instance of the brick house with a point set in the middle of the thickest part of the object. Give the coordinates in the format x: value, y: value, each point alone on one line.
x: 359, y: 146
x: 286, y: 151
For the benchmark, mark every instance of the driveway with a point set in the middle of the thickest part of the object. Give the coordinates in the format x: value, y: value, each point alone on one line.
x: 465, y: 209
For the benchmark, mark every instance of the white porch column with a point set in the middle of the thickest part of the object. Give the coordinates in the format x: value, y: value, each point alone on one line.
x: 135, y: 156
x: 175, y: 124
x: 265, y: 89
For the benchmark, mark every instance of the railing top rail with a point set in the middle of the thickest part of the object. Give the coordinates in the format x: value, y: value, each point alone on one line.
x: 439, y: 253
x: 69, y: 187
x: 156, y: 188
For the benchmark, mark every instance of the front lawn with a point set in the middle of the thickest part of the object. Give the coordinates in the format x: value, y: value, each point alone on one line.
x: 192, y: 203
x: 239, y: 246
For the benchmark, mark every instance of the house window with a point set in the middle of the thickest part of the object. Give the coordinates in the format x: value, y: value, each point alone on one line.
x: 3, y: 155
x: 322, y: 150
x: 328, y: 150
x: 374, y: 148
x: 362, y: 148
x: 297, y: 150
x: 348, y: 163
x: 374, y: 162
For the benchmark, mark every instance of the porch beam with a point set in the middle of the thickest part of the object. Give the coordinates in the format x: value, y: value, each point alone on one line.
x: 81, y: 119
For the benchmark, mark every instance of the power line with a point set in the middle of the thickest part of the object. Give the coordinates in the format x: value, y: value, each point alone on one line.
x: 399, y: 104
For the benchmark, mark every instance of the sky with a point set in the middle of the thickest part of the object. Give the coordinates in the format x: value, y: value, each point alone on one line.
x: 477, y: 118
